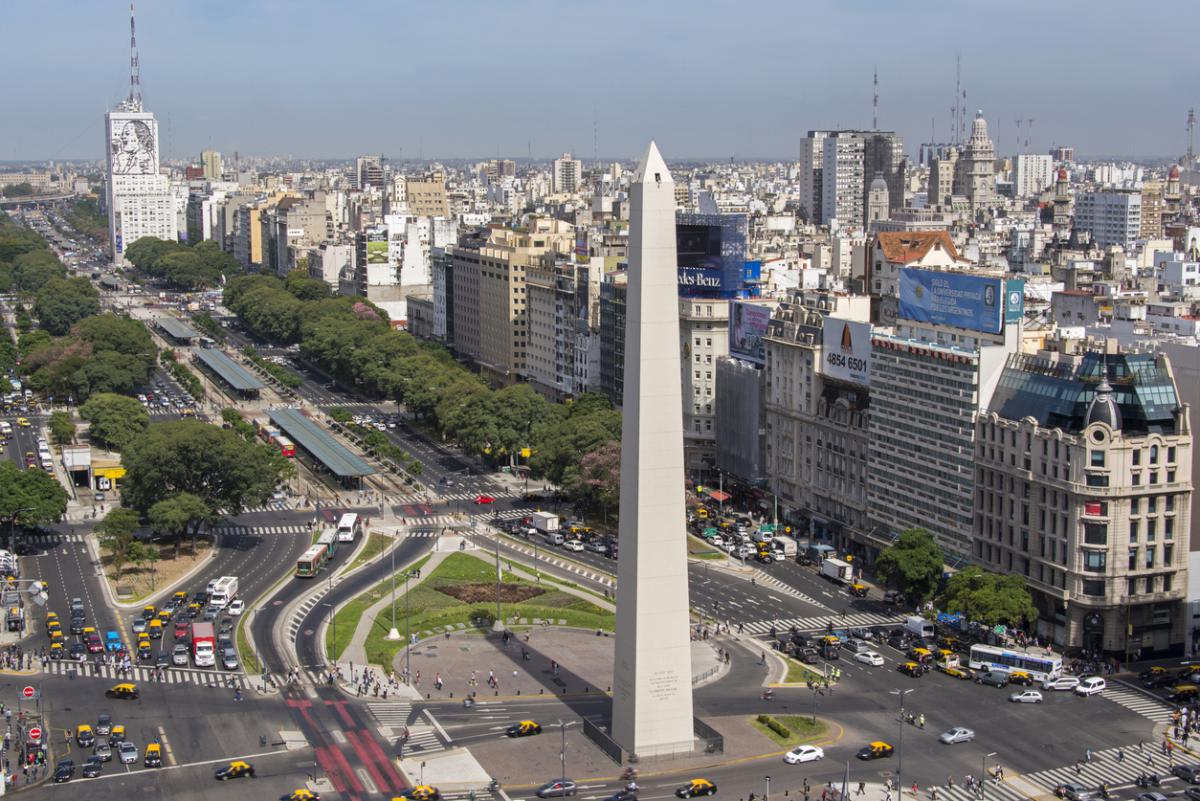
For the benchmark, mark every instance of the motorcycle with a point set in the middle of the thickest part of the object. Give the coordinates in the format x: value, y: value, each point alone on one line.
x: 767, y: 695
x: 1148, y: 780
x: 1103, y: 790
x: 629, y: 774
x: 493, y: 786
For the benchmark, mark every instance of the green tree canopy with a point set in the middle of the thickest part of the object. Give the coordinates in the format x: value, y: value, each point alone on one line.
x: 23, y: 189
x: 31, y: 271
x: 32, y: 495
x: 215, y: 464
x: 62, y: 302
x: 116, y: 420
x: 115, y: 534
x: 180, y: 515
x: 988, y: 597
x: 913, y: 563
x: 62, y: 427
x: 597, y: 480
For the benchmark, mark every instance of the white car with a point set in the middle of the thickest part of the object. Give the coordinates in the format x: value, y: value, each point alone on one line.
x: 237, y: 607
x: 1092, y: 685
x: 803, y: 753
x: 869, y: 658
x: 1061, y: 683
x: 573, y: 545
x: 1026, y: 697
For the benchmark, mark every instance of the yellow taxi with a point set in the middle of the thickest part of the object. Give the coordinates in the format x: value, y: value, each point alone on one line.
x: 234, y: 770
x: 117, y: 734
x: 858, y: 590
x: 911, y: 669
x: 1184, y: 692
x: 875, y: 750
x: 84, y: 736
x: 422, y: 792
x: 149, y: 611
x: 962, y: 674
x: 56, y: 636
x: 51, y: 617
x: 155, y: 629
x: 153, y: 756
x: 23, y: 422
x: 56, y: 650
x: 696, y: 787
x: 53, y: 626
x: 526, y: 728
x: 303, y: 795
x: 179, y: 599
x: 702, y: 513
x: 164, y: 615
x: 1021, y: 677
x: 193, y: 609
x: 124, y: 690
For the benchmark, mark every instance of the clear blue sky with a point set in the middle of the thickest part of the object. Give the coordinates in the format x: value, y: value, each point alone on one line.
x: 707, y: 78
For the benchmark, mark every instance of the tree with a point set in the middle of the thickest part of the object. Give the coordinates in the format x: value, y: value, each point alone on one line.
x: 23, y: 189
x: 62, y: 427
x: 913, y: 563
x: 597, y: 480
x: 30, y: 496
x: 215, y: 464
x: 989, y: 598
x: 115, y: 419
x: 116, y: 536
x: 62, y: 302
x: 140, y: 553
x: 179, y: 515
x: 31, y: 271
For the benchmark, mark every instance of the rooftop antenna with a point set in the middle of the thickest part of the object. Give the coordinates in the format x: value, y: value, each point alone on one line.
x: 875, y: 102
x: 135, y: 79
x: 1191, y: 129
x: 957, y: 110
x: 595, y: 136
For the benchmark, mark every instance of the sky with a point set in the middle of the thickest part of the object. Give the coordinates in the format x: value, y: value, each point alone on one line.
x: 709, y: 79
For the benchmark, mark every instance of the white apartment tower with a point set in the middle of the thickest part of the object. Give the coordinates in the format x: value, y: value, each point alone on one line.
x: 139, y: 198
x: 1111, y: 216
x: 1033, y: 173
x: 568, y: 174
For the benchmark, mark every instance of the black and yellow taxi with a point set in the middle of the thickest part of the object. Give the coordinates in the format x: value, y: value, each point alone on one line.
x: 84, y: 736
x: 876, y: 750
x: 526, y: 728
x: 920, y: 655
x: 57, y: 650
x: 234, y: 770
x: 145, y: 651
x: 950, y: 643
x: 696, y: 787
x: 179, y: 599
x: 1184, y: 693
x: 194, y: 609
x: 164, y: 615
x: 858, y: 590
x: 124, y: 691
x: 56, y: 636
x: 1021, y: 677
x: 301, y: 794
x: 149, y: 611
x: 155, y: 629
x: 960, y: 673
x: 153, y: 756
x: 23, y: 422
x: 911, y: 669
x: 51, y: 616
x: 117, y: 735
x: 53, y: 626
x: 422, y: 792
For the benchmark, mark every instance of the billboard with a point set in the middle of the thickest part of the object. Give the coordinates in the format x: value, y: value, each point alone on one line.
x: 747, y: 327
x: 846, y: 351
x: 1014, y: 301
x: 942, y: 298
x: 711, y: 253
x: 132, y: 144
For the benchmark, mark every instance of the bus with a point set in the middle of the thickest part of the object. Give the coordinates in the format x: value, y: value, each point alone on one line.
x: 349, y: 527
x: 286, y: 446
x: 1039, y: 666
x: 311, y: 561
x: 329, y: 542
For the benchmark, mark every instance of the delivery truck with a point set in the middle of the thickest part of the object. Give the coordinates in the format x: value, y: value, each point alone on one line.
x: 545, y: 522
x: 786, y: 544
x: 222, y: 591
x: 204, y: 644
x: 837, y: 570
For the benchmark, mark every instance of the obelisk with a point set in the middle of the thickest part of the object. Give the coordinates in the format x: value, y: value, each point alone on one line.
x: 652, y: 674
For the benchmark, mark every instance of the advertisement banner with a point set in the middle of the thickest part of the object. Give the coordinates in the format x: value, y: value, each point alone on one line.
x: 747, y: 327
x: 942, y: 298
x: 711, y: 252
x: 377, y: 252
x: 847, y: 351
x: 1014, y: 301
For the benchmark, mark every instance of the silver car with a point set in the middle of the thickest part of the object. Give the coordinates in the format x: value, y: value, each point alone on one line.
x: 103, y: 750
x: 128, y: 752
x: 959, y: 734
x: 179, y: 654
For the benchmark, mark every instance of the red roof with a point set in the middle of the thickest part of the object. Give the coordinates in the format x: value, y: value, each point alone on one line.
x: 904, y: 247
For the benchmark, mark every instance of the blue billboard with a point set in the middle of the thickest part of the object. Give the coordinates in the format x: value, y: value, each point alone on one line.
x: 1014, y: 301
x: 944, y: 298
x: 711, y: 252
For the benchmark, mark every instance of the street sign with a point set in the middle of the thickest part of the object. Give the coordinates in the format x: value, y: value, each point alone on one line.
x: 35, y: 733
x: 28, y: 692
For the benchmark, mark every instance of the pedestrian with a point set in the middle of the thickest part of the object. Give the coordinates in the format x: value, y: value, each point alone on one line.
x: 862, y: 788
x: 1088, y: 756
x: 950, y: 782
x: 914, y: 789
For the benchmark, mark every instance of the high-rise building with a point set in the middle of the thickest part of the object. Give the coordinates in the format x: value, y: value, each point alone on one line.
x: 1111, y: 216
x: 568, y: 174
x: 210, y: 163
x: 975, y: 170
x: 368, y: 171
x: 612, y: 335
x: 842, y: 177
x: 704, y: 337
x: 1033, y: 173
x: 838, y: 167
x: 812, y: 160
x: 1084, y: 490
x: 139, y: 198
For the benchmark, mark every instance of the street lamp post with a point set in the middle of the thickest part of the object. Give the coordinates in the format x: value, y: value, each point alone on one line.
x: 12, y: 524
x: 562, y: 755
x: 407, y: 629
x: 333, y: 624
x: 767, y: 796
x: 900, y: 743
x: 394, y: 634
x: 983, y: 775
x: 499, y: 624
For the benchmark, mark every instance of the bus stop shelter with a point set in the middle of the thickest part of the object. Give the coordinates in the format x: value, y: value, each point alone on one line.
x: 179, y: 331
x: 229, y: 371
x: 323, y: 448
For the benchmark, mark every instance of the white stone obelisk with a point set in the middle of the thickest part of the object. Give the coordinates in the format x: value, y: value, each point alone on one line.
x: 652, y: 674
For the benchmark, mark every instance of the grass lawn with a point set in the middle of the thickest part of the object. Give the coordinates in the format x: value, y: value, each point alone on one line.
x: 346, y: 620
x: 799, y: 673
x: 376, y: 542
x: 462, y: 591
x: 802, y: 729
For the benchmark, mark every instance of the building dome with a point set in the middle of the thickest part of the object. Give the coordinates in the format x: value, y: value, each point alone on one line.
x: 1103, y: 408
x: 1062, y: 173
x: 1174, y: 173
x: 879, y: 185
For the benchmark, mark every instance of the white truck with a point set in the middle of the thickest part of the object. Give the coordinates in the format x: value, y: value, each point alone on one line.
x: 786, y: 544
x: 222, y: 591
x: 545, y: 522
x: 919, y: 627
x: 837, y: 570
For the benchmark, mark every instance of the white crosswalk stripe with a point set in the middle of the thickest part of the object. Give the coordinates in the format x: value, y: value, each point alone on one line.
x: 422, y: 739
x: 1142, y: 703
x: 234, y: 529
x: 391, y: 713
x: 786, y: 589
x: 274, y: 505
x: 145, y: 675
x: 821, y: 622
x: 1104, y: 768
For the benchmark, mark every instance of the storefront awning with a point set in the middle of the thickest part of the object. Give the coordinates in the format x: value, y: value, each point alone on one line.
x: 719, y: 496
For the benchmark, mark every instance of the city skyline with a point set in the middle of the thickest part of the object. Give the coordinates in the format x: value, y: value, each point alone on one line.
x: 201, y: 77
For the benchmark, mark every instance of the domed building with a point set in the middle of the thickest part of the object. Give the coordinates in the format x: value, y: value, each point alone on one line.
x: 975, y: 171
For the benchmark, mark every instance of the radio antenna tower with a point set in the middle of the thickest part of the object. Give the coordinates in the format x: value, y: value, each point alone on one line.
x: 875, y: 102
x: 135, y: 78
x: 1191, y: 129
x: 957, y: 94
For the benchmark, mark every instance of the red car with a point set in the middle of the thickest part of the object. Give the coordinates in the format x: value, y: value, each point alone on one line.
x: 181, y: 629
x: 94, y: 645
x: 482, y: 499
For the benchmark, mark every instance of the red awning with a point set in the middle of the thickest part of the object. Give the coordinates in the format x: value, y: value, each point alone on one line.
x: 719, y: 496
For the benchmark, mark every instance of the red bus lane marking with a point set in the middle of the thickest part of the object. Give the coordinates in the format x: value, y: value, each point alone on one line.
x: 340, y: 706
x: 359, y: 741
x: 372, y: 745
x: 339, y: 759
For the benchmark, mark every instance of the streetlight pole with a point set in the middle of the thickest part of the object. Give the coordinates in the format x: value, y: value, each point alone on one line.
x: 767, y: 796
x: 900, y: 744
x: 407, y: 629
x: 12, y: 524
x: 333, y: 624
x: 562, y: 755
x: 983, y: 775
x: 499, y: 625
x: 394, y: 634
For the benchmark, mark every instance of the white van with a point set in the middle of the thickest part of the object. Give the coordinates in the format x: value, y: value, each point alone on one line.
x: 553, y: 538
x: 1092, y: 685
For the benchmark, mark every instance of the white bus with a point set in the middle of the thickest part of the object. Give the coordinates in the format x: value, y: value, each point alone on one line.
x: 1039, y: 666
x: 349, y: 527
